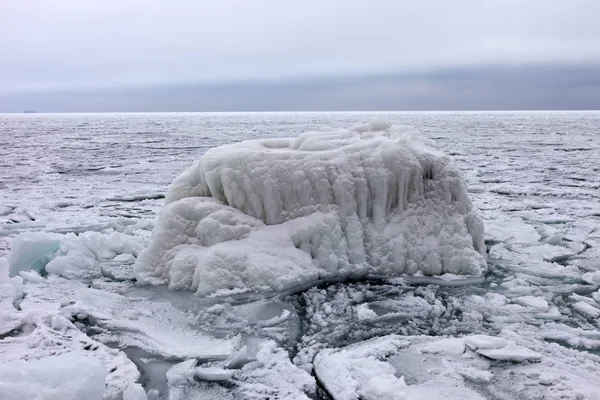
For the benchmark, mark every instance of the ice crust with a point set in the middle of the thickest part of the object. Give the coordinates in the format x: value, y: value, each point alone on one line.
x: 275, y: 214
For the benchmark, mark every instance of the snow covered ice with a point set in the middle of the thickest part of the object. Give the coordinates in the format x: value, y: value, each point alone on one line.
x: 425, y: 367
x: 70, y: 377
x: 276, y: 214
x: 520, y: 321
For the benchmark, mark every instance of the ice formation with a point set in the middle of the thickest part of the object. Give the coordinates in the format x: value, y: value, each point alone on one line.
x: 276, y: 214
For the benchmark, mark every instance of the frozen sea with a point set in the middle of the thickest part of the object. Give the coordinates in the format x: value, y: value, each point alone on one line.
x: 80, y: 194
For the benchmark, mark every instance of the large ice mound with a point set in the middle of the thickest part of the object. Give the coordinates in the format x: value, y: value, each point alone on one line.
x: 275, y: 214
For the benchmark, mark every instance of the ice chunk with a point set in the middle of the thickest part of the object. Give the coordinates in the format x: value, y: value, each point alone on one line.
x: 182, y: 372
x: 5, y: 210
x: 32, y: 251
x: 355, y: 372
x: 587, y: 309
x: 213, y: 374
x: 370, y: 370
x: 538, y: 303
x: 475, y: 375
x: 79, y: 255
x: 70, y: 255
x: 276, y: 214
x: 592, y: 277
x: 555, y: 239
x: 511, y: 352
x: 452, y: 346
x: 364, y: 313
x: 17, y: 218
x: 70, y: 376
x: 135, y: 391
x: 156, y: 327
x: 274, y: 373
x: 476, y: 342
x: 238, y: 359
x: 574, y: 337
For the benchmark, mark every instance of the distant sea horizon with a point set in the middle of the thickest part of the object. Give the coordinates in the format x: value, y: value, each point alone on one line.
x: 36, y: 112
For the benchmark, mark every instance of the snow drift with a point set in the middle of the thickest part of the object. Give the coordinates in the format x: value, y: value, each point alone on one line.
x: 275, y: 214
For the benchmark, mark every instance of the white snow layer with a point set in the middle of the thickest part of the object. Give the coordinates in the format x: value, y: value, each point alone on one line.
x: 276, y: 214
x: 71, y: 376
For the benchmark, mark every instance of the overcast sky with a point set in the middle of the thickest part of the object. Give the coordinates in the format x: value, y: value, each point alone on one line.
x: 171, y: 55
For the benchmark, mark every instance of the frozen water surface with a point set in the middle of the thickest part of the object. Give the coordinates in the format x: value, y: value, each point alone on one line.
x: 80, y: 195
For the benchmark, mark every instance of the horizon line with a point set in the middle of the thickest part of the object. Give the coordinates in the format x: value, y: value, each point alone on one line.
x: 33, y: 112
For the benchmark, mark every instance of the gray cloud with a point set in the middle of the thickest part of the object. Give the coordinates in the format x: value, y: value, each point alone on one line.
x: 490, y: 88
x: 94, y: 44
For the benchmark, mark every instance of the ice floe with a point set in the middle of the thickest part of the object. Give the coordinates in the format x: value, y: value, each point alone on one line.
x: 419, y: 367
